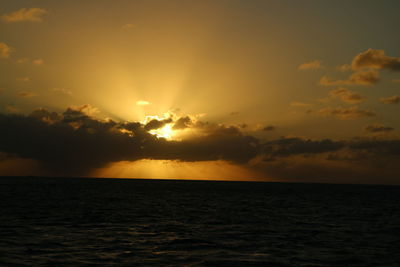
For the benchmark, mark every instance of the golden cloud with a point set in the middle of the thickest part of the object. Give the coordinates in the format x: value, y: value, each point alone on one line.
x: 5, y: 50
x: 375, y: 59
x: 369, y: 77
x: 313, y: 65
x: 25, y: 14
x: 346, y: 95
x: 346, y: 113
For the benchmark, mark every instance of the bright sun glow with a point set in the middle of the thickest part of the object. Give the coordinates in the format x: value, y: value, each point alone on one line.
x: 166, y: 132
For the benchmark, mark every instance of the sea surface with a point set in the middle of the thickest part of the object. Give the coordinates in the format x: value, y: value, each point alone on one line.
x: 126, y: 222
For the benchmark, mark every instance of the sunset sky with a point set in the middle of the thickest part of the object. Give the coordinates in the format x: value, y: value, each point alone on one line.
x: 305, y: 91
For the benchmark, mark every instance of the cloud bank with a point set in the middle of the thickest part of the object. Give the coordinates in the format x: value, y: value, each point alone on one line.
x: 74, y: 143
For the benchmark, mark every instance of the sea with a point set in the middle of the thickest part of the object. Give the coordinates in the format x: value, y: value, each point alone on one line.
x: 131, y: 222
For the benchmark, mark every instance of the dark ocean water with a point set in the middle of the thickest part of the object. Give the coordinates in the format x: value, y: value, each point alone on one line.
x: 71, y: 222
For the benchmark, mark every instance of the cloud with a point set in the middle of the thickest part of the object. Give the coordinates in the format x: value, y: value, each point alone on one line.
x: 299, y: 104
x: 313, y: 65
x: 26, y: 94
x: 156, y: 124
x: 375, y: 59
x: 347, y: 95
x: 85, y: 109
x: 391, y: 99
x: 142, y: 103
x: 128, y: 26
x: 5, y: 50
x: 378, y: 128
x: 268, y: 128
x: 38, y: 62
x: 62, y: 91
x: 182, y: 123
x: 11, y: 109
x: 74, y: 143
x: 344, y: 68
x: 369, y: 77
x: 24, y: 79
x: 285, y: 147
x: 23, y: 60
x: 25, y: 14
x: 346, y: 113
x: 352, y: 161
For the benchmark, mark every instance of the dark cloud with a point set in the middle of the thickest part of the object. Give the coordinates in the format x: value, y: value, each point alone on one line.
x: 378, y: 128
x: 269, y: 128
x: 354, y: 161
x: 220, y: 143
x: 368, y: 77
x: 182, y: 123
x: 376, y: 59
x: 292, y: 146
x: 156, y: 124
x: 74, y: 143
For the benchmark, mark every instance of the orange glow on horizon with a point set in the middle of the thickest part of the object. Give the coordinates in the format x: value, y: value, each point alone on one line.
x: 170, y: 169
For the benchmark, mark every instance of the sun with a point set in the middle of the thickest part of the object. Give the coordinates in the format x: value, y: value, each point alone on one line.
x: 165, y: 132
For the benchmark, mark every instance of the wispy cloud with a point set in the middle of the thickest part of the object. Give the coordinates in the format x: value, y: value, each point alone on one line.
x: 62, y: 91
x: 369, y: 77
x: 345, y: 113
x: 26, y: 94
x: 25, y: 14
x: 300, y: 104
x: 378, y: 128
x: 142, y: 103
x: 313, y: 65
x: 344, y: 68
x: 347, y: 96
x: 11, y: 109
x: 38, y: 62
x: 24, y: 79
x: 128, y: 26
x: 5, y: 50
x: 391, y: 99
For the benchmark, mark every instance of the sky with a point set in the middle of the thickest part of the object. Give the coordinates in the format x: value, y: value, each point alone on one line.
x: 291, y: 91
